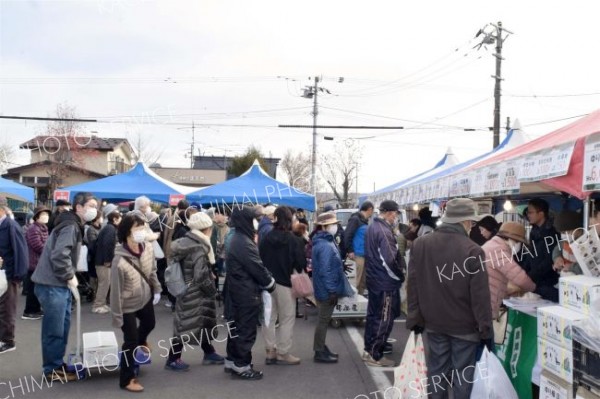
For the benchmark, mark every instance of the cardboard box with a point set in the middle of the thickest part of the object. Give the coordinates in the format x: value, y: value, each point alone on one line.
x: 583, y: 393
x: 578, y: 292
x: 100, y: 349
x: 552, y: 387
x: 557, y: 360
x: 555, y: 322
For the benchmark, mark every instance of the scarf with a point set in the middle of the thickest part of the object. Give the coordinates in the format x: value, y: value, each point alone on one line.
x: 206, y: 240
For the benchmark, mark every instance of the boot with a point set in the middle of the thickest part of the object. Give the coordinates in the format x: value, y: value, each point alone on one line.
x: 271, y: 357
x: 324, y: 357
x: 288, y: 360
x: 330, y: 353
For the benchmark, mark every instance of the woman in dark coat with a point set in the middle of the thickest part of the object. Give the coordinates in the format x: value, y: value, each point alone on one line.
x: 195, y: 315
x: 36, y: 237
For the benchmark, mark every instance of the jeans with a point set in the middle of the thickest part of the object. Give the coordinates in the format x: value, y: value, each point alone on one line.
x: 449, y: 359
x: 55, y: 324
x: 325, y: 312
x: 8, y: 312
x: 133, y: 337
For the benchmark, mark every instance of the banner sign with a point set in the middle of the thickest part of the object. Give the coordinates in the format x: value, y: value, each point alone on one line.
x: 591, y: 163
x: 61, y: 195
x: 175, y: 198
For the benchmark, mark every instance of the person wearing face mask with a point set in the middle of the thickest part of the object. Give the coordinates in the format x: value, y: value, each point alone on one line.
x: 104, y: 251
x: 449, y: 298
x: 329, y: 281
x: 134, y: 290
x: 55, y: 281
x: 570, y: 226
x: 501, y: 266
x: 385, y: 273
x: 36, y: 238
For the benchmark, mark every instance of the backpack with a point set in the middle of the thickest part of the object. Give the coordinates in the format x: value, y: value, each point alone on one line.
x: 174, y: 279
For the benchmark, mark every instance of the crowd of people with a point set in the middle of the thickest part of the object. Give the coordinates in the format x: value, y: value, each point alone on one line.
x: 461, y: 266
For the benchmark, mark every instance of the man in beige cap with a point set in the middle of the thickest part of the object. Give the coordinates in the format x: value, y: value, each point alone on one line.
x: 449, y: 299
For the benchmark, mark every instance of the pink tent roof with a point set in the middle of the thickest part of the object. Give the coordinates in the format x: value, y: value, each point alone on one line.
x: 577, y: 131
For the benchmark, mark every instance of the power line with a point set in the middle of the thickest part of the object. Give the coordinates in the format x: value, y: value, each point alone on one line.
x: 553, y: 95
x: 32, y: 118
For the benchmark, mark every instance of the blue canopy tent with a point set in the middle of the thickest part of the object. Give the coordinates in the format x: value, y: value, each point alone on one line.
x: 140, y: 180
x: 9, y: 188
x: 253, y: 187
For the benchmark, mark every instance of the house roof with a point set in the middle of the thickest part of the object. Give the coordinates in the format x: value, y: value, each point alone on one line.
x: 93, y: 143
x: 20, y: 169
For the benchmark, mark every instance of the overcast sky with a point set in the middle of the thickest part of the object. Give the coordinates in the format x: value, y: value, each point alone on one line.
x: 237, y: 69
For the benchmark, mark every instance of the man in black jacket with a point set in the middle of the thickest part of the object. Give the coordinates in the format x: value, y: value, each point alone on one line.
x: 245, y: 281
x: 354, y: 241
x: 537, y: 257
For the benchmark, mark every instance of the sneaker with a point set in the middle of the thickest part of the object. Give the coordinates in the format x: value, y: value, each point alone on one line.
x: 101, y: 310
x: 288, y: 359
x: 7, y: 347
x: 388, y: 348
x: 247, y: 373
x: 177, y: 365
x: 32, y: 316
x: 213, y: 358
x: 61, y: 375
x: 228, y: 366
x: 383, y: 362
x: 168, y: 304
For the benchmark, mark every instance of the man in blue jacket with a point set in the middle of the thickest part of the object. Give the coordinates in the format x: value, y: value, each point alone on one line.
x: 15, y: 256
x: 384, y: 267
x: 354, y: 241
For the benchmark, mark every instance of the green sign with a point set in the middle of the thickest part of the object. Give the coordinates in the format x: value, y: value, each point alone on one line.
x: 519, y: 352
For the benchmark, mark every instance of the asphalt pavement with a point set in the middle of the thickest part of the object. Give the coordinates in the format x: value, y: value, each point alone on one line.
x: 21, y: 377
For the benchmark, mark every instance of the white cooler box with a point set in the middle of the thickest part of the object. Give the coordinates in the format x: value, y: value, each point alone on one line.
x: 557, y: 360
x: 100, y: 349
x: 579, y: 292
x: 354, y: 305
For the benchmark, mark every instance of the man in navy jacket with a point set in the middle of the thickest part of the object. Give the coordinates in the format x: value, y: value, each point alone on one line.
x: 384, y: 267
x: 13, y: 251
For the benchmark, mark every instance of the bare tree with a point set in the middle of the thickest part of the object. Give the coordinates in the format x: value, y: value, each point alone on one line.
x: 7, y: 156
x: 339, y: 170
x: 66, y: 145
x: 297, y: 169
x: 146, y: 151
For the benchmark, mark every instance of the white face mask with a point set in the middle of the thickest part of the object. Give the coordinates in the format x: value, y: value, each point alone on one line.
x: 90, y: 214
x: 139, y: 236
x: 43, y: 218
x: 255, y: 224
x: 515, y: 246
x: 10, y: 215
x: 332, y: 229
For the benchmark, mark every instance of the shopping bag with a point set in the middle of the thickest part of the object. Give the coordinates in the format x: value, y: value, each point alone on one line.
x: 301, y: 285
x: 500, y: 325
x: 158, y: 252
x: 410, y: 377
x: 491, y: 380
x: 3, y: 282
x: 267, y: 307
x: 82, y: 262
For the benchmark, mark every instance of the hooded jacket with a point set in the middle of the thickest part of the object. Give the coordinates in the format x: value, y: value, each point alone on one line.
x: 13, y: 250
x: 327, y: 269
x: 58, y: 262
x: 448, y: 288
x: 354, y: 236
x: 281, y: 254
x: 196, y: 309
x: 246, y: 274
x: 383, y: 262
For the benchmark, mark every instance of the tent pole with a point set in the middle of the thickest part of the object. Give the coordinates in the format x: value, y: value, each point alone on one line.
x: 586, y: 212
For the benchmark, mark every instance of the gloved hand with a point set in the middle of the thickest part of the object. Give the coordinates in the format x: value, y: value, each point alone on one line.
x: 156, y: 299
x: 72, y: 285
x: 417, y: 330
x: 333, y: 299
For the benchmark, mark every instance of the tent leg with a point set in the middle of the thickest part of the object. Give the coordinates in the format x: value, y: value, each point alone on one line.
x: 586, y: 212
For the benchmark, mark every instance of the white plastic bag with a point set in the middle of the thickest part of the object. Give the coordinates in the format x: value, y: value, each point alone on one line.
x: 267, y: 307
x: 3, y: 282
x: 491, y: 380
x: 82, y: 262
x: 158, y: 252
x: 410, y: 377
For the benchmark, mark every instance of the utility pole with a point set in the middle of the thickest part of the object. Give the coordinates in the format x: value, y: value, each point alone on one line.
x: 192, y: 149
x: 498, y: 79
x: 313, y: 167
x: 507, y: 124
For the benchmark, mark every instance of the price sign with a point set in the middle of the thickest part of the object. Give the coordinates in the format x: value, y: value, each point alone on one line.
x: 492, y: 181
x: 561, y: 159
x: 61, y: 195
x: 509, y: 182
x: 591, y: 163
x: 527, y: 168
x: 478, y: 183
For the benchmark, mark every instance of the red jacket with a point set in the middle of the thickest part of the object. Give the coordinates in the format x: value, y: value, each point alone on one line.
x: 36, y: 237
x: 501, y: 269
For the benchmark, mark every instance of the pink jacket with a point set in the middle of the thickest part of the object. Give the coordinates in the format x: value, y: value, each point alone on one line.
x: 502, y: 269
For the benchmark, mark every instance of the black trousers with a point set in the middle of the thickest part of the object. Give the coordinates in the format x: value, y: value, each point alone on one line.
x: 243, y: 325
x: 382, y: 310
x: 177, y: 348
x: 134, y: 335
x: 32, y: 305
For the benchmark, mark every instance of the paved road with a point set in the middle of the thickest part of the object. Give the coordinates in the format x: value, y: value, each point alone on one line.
x: 350, y: 378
